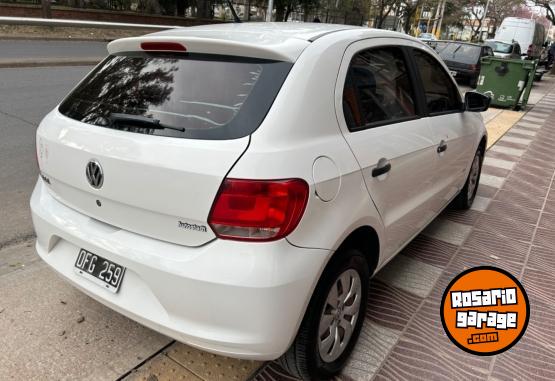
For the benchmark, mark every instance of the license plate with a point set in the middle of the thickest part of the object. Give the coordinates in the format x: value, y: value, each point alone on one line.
x: 453, y: 73
x: 101, y: 271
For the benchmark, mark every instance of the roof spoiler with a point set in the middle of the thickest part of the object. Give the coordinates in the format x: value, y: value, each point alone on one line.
x: 279, y: 51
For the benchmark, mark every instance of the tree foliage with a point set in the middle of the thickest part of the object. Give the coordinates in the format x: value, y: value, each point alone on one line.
x: 549, y: 8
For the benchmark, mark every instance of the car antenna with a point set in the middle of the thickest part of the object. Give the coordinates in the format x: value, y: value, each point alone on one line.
x: 235, y: 17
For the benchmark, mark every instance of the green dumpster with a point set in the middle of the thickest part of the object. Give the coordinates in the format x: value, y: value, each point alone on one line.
x: 508, y: 82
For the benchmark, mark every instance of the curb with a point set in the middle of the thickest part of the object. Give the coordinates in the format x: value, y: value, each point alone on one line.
x: 46, y: 62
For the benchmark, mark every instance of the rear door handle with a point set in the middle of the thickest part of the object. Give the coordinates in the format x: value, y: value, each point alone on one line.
x: 382, y: 167
x: 442, y: 147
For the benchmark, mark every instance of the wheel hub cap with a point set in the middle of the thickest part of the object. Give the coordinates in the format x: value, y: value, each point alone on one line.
x: 339, y: 315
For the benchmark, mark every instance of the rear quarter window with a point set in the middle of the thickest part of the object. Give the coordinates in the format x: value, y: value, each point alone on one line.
x: 188, y: 95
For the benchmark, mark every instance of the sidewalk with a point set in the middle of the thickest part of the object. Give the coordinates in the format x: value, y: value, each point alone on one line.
x: 33, y: 53
x: 510, y: 226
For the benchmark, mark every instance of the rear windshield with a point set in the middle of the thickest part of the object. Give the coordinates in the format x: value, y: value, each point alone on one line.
x: 463, y: 53
x: 438, y: 46
x: 178, y: 95
x: 499, y: 47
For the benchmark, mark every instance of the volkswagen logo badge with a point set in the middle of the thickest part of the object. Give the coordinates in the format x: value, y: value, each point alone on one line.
x: 94, y: 174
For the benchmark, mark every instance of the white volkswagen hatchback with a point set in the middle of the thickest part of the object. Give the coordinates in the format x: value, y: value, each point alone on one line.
x: 236, y: 186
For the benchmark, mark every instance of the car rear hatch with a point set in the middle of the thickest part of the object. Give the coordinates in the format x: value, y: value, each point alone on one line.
x: 144, y: 142
x: 460, y: 56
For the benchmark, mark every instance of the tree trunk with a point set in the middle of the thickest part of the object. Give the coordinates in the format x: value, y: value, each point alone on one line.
x: 408, y: 20
x: 46, y: 11
x: 280, y: 11
x: 288, y: 10
x: 306, y: 10
x: 180, y: 6
x: 203, y: 9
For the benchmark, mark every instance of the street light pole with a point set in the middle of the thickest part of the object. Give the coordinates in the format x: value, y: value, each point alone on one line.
x: 269, y: 10
x: 483, y: 18
x: 440, y: 21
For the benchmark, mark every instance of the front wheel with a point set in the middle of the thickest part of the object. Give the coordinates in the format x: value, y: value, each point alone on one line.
x: 467, y: 194
x: 333, y: 320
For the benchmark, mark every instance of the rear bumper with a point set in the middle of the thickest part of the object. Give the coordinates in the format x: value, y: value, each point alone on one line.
x: 231, y: 298
x: 464, y: 73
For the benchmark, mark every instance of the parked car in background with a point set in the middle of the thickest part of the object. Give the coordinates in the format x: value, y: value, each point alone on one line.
x: 427, y: 37
x: 437, y: 45
x: 502, y: 49
x: 463, y: 60
x: 237, y: 193
x: 528, y: 33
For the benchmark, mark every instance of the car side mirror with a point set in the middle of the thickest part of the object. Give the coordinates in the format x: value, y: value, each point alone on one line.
x: 476, y: 102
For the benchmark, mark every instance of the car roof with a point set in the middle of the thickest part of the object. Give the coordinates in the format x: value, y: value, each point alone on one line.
x: 274, y: 30
x: 276, y: 41
x: 503, y: 42
x: 460, y: 42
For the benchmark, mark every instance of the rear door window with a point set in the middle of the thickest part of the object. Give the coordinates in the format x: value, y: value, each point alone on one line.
x: 442, y: 96
x: 178, y: 95
x: 378, y: 89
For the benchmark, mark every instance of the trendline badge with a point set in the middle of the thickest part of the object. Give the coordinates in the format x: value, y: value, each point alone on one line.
x: 485, y: 310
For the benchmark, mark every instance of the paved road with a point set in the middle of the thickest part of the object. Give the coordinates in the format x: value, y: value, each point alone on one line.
x: 25, y: 49
x: 26, y: 96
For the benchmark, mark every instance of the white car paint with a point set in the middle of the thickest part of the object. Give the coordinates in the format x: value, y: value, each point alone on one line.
x: 243, y: 299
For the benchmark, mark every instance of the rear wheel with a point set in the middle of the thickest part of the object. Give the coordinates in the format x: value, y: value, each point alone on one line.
x: 467, y: 194
x: 333, y: 320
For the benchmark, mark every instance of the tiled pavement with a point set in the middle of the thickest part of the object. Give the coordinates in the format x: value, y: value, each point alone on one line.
x: 511, y: 226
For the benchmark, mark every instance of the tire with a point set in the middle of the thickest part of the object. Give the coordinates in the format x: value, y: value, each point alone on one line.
x: 466, y: 196
x: 305, y: 359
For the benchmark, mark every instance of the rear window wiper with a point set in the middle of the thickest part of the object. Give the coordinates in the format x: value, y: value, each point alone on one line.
x: 141, y: 120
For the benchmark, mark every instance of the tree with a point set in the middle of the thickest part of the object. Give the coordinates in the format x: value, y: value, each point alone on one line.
x: 284, y: 8
x: 499, y: 9
x: 548, y: 9
x: 203, y: 9
x: 46, y: 12
x: 384, y: 8
x: 476, y: 17
x: 408, y: 10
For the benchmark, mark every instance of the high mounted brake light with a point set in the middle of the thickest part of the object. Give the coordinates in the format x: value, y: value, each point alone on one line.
x: 258, y: 210
x: 155, y: 46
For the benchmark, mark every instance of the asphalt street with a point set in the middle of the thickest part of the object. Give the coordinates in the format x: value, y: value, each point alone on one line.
x: 27, y: 49
x: 26, y: 95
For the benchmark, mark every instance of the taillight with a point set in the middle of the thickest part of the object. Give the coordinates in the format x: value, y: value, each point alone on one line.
x: 473, y: 67
x: 258, y: 210
x: 160, y: 46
